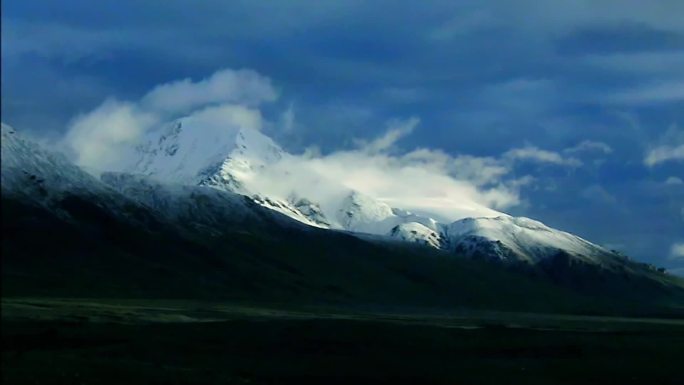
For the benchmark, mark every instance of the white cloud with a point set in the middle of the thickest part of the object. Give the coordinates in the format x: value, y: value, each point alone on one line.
x: 674, y: 181
x: 535, y: 154
x: 669, y: 147
x: 226, y: 115
x: 479, y: 170
x: 663, y: 154
x: 589, y: 146
x: 397, y: 129
x: 419, y: 181
x: 224, y: 86
x: 423, y: 180
x: 99, y: 139
x: 677, y: 252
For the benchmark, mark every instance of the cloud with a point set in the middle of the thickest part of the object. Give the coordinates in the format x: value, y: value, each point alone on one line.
x: 421, y: 181
x: 535, y: 154
x: 224, y: 86
x: 99, y: 139
x: 677, y: 251
x: 397, y: 130
x: 669, y: 147
x: 479, y: 170
x: 663, y: 154
x: 589, y: 146
x: 674, y: 181
x: 226, y: 115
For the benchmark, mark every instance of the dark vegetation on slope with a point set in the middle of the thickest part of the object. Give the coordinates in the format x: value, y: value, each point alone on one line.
x: 97, y: 253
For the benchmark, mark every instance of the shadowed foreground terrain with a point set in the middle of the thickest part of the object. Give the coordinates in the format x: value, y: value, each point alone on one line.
x: 172, y: 342
x: 272, y: 303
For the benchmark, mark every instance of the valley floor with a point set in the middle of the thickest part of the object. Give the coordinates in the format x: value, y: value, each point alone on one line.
x: 53, y: 341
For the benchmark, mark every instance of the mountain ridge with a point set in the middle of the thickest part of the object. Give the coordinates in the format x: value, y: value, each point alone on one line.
x: 249, y: 152
x: 135, y: 236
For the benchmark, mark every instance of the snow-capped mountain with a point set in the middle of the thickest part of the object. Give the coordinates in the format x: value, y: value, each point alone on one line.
x: 205, y: 206
x: 219, y: 156
x: 231, y: 157
x: 180, y: 165
x: 417, y: 233
x: 519, y: 239
x: 33, y: 173
x: 198, y: 208
x: 65, y: 230
x: 224, y: 157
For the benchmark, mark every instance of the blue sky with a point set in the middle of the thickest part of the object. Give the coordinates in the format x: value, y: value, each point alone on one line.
x: 586, y: 96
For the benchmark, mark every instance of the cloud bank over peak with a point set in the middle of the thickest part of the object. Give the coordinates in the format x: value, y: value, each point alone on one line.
x: 100, y: 139
x: 96, y: 139
x: 424, y: 180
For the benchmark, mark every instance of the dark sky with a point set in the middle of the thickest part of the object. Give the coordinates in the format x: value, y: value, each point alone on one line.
x: 593, y: 91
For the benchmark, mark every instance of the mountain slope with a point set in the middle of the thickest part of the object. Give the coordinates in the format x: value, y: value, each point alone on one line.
x: 520, y: 239
x: 38, y: 177
x: 231, y: 157
x: 143, y: 239
x: 30, y: 172
x: 199, y: 209
x: 105, y: 255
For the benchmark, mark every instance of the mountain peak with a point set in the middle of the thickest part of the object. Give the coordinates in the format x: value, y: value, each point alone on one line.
x: 518, y: 239
x: 218, y: 155
x: 358, y: 209
x: 177, y: 153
